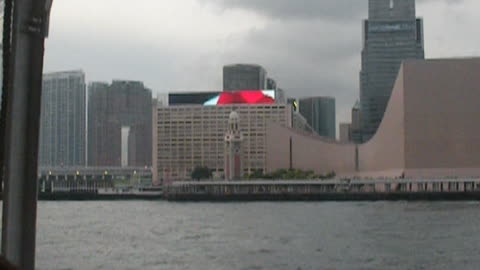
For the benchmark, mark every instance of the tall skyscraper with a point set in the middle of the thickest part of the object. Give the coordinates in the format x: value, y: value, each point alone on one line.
x: 244, y: 77
x: 356, y: 127
x: 119, y: 124
x: 391, y: 34
x: 62, y: 130
x: 320, y: 115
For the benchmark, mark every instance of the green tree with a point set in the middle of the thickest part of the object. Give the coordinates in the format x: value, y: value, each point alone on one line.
x: 289, y: 174
x: 201, y: 173
x: 330, y: 175
x: 256, y: 174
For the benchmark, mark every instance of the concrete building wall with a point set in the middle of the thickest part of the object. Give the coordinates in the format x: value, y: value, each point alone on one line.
x: 428, y: 130
x: 443, y: 108
x: 308, y: 152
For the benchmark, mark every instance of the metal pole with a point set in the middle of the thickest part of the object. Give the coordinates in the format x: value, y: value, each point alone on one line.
x: 29, y: 29
x: 290, y: 162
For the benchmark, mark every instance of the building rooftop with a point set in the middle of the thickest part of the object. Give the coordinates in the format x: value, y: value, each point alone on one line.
x: 67, y: 73
x: 243, y: 65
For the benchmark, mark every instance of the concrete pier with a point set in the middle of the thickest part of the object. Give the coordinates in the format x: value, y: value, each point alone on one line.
x: 332, y: 190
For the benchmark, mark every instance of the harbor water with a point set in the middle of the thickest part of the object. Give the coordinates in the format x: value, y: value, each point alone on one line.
x: 255, y: 236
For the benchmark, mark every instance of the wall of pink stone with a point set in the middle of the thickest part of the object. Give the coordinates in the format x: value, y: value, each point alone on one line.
x: 430, y: 130
x: 442, y: 131
x: 308, y: 152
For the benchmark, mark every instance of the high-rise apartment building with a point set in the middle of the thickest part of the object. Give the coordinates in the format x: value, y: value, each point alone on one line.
x: 320, y: 115
x: 62, y: 130
x: 391, y: 34
x: 244, y: 77
x: 119, y: 124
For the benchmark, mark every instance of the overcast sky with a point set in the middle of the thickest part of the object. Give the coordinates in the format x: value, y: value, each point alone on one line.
x: 311, y: 47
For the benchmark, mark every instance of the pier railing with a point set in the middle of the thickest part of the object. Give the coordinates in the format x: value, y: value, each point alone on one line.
x: 312, y: 187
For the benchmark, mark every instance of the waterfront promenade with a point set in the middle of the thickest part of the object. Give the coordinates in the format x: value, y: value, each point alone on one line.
x: 272, y: 190
x: 331, y: 190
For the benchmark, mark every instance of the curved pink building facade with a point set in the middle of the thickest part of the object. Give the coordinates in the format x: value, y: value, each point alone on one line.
x: 430, y: 130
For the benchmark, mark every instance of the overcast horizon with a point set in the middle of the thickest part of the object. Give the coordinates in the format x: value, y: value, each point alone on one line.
x: 310, y: 47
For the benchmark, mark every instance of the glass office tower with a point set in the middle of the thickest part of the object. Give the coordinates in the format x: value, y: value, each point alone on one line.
x: 391, y: 34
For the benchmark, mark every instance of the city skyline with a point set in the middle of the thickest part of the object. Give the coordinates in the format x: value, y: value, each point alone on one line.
x: 106, y: 175
x: 326, y: 62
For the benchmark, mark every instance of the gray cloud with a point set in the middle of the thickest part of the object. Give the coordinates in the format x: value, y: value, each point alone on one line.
x: 162, y: 68
x: 338, y: 10
x: 307, y: 58
x: 310, y: 47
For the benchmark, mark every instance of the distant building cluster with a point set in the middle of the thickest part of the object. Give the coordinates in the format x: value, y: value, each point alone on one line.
x: 118, y: 124
x: 194, y: 130
x: 399, y: 127
x: 112, y: 127
x: 352, y: 132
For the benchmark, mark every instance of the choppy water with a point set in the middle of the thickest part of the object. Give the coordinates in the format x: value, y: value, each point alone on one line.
x: 254, y: 236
